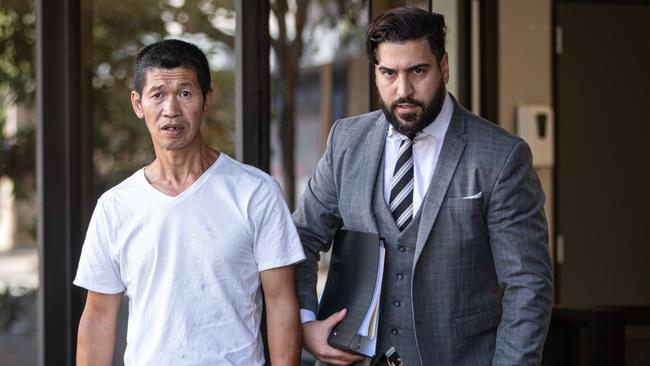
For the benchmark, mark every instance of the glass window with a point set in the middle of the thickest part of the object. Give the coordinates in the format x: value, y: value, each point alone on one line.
x: 18, y: 215
x: 319, y: 74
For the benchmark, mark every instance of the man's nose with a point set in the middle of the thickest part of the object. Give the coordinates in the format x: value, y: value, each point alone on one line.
x: 404, y: 86
x: 171, y: 107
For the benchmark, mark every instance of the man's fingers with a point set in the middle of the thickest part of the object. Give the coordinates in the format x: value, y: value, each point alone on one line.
x: 315, y: 336
x: 337, y: 357
x: 335, y: 318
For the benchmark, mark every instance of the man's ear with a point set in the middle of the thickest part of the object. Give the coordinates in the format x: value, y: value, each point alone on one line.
x: 136, y: 104
x: 444, y: 68
x: 207, y: 100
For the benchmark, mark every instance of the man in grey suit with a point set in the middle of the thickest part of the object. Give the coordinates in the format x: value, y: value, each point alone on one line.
x: 467, y: 275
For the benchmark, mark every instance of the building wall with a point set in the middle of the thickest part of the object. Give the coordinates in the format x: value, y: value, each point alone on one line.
x: 525, y: 69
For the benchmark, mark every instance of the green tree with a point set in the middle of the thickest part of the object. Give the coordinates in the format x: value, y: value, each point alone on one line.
x: 17, y: 42
x: 17, y: 87
x: 17, y: 93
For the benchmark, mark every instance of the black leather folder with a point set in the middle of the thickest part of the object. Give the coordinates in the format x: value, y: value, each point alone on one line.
x: 350, y: 285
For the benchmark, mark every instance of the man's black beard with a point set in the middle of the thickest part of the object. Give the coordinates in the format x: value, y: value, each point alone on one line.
x: 429, y: 113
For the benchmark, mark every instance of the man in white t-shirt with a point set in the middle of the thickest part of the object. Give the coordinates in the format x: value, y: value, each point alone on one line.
x: 191, y: 239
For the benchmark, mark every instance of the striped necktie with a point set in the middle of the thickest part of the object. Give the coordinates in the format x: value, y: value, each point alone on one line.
x: 401, y: 186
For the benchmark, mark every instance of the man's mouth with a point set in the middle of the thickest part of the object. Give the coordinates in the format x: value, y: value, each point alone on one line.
x: 172, y: 130
x: 406, y: 107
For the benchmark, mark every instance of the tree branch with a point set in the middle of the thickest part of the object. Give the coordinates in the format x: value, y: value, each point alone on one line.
x: 301, y: 20
x: 280, y: 8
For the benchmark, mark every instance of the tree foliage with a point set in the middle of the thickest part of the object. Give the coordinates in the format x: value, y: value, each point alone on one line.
x: 17, y: 86
x: 17, y: 42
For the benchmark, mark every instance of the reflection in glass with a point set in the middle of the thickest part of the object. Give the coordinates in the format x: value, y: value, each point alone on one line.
x: 18, y: 216
x: 317, y: 51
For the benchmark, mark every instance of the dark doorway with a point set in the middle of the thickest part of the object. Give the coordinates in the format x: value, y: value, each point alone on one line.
x: 602, y: 97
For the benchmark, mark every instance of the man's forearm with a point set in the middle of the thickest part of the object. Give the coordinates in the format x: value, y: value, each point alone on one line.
x: 96, y: 339
x: 284, y: 334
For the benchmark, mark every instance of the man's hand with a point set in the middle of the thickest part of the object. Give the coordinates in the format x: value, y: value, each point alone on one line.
x: 315, y: 335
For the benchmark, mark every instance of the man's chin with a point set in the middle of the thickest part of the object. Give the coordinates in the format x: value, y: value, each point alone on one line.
x: 406, y: 123
x: 407, y: 119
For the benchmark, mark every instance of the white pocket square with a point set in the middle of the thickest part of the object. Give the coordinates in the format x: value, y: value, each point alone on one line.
x: 474, y: 196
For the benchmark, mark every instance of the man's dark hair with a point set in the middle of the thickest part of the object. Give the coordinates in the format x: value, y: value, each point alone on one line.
x: 169, y: 54
x: 406, y: 24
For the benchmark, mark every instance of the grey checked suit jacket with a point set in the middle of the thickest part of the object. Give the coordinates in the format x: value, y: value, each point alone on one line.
x: 481, y: 279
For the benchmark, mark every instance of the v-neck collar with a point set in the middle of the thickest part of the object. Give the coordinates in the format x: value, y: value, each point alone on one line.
x: 189, y: 190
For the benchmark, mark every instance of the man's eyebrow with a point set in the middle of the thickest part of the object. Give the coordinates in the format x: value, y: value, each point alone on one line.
x: 155, y: 88
x: 384, y: 68
x: 418, y: 66
x: 423, y: 65
x: 159, y: 87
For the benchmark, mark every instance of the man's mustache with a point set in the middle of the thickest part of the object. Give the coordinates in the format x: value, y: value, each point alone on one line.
x: 406, y: 100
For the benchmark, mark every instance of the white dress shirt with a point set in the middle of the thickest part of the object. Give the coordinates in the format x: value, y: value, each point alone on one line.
x: 426, y: 150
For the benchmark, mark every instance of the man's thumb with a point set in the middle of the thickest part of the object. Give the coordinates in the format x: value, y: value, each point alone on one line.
x: 336, y: 318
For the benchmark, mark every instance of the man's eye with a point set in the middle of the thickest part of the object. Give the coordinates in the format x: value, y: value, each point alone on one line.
x: 185, y: 93
x: 156, y: 95
x: 418, y: 70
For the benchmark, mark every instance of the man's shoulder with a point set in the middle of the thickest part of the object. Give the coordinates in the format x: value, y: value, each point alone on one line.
x: 361, y: 122
x: 242, y: 180
x: 353, y: 130
x: 479, y: 130
x: 241, y: 173
x: 131, y: 186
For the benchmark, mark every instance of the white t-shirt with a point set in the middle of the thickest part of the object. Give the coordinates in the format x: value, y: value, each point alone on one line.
x: 190, y: 264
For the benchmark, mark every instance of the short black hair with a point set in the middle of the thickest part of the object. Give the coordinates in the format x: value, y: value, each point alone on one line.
x: 169, y: 54
x: 406, y: 24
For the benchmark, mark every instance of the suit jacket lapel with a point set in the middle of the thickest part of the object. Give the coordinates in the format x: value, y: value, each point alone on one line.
x: 375, y: 141
x: 450, y: 155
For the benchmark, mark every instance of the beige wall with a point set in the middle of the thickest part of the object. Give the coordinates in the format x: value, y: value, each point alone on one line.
x: 525, y: 68
x: 524, y: 56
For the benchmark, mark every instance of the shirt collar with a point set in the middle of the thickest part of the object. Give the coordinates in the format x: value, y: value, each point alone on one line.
x: 437, y: 129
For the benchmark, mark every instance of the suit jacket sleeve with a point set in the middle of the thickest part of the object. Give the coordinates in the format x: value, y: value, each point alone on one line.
x: 519, y: 243
x: 317, y: 219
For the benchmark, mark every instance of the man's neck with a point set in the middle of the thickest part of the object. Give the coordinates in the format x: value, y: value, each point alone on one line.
x: 174, y: 171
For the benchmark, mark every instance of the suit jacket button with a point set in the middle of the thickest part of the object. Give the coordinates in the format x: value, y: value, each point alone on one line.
x: 401, y: 248
x: 400, y: 276
x: 397, y: 303
x: 394, y: 331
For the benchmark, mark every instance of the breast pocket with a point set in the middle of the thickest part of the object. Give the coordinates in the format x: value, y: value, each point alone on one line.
x: 465, y: 216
